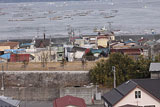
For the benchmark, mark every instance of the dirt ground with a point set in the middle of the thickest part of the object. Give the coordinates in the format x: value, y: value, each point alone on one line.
x: 50, y: 66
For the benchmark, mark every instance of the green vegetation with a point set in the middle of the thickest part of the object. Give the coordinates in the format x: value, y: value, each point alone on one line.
x: 126, y: 68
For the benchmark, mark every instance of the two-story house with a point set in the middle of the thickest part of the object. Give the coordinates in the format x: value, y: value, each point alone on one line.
x: 134, y: 93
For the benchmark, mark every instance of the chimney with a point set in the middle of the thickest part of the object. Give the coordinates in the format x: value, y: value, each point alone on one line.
x: 44, y: 36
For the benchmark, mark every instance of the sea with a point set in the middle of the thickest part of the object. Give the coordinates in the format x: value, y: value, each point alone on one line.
x: 56, y: 19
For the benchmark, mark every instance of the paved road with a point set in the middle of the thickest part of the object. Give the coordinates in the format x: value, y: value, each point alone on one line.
x: 44, y: 104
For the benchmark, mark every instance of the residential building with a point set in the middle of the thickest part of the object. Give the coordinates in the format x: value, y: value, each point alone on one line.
x: 103, y: 40
x: 8, y: 102
x: 69, y: 101
x: 19, y: 57
x: 155, y: 70
x: 90, y: 39
x: 134, y: 52
x: 79, y: 52
x: 59, y: 51
x: 42, y: 43
x: 134, y: 93
x: 8, y: 45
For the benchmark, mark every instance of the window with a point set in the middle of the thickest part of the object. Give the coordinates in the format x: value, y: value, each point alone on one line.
x: 137, y: 94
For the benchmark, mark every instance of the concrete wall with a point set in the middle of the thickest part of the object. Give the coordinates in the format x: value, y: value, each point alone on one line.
x: 40, y: 85
x: 87, y: 93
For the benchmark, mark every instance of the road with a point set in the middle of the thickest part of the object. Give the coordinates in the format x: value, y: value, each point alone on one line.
x: 45, y: 104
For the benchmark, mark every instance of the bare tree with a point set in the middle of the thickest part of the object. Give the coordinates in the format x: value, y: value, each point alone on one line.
x: 63, y: 62
x: 44, y: 59
x: 25, y: 63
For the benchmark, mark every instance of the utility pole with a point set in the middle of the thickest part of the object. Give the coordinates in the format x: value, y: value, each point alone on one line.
x: 50, y: 48
x: 114, y: 71
x: 2, y: 88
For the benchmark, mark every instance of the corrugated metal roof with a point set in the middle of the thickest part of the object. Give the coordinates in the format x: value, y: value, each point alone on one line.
x: 154, y: 67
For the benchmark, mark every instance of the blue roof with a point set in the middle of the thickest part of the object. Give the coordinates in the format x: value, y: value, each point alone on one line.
x: 14, y: 50
x: 129, y: 41
x: 96, y: 50
x: 106, y: 50
x: 25, y: 44
x: 5, y: 56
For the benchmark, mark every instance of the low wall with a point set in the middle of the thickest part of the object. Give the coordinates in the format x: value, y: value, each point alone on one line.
x: 40, y: 85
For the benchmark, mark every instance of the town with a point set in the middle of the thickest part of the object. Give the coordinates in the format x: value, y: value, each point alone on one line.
x: 45, y: 69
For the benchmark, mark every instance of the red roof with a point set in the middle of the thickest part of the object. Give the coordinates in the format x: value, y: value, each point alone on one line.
x: 128, y: 51
x: 69, y: 100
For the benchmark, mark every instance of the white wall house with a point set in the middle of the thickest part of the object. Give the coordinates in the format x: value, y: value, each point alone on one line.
x: 134, y: 93
x: 139, y: 97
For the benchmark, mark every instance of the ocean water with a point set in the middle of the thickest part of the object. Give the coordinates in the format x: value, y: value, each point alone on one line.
x: 27, y: 20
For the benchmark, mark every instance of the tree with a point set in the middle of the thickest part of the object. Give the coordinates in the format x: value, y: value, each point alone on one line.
x: 142, y: 67
x: 126, y: 68
x: 157, y: 58
x: 63, y: 62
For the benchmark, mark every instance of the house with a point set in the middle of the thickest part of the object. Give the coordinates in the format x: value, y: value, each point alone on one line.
x: 5, y: 57
x: 8, y: 45
x: 79, y: 52
x: 90, y: 39
x: 60, y: 51
x: 69, y: 53
x: 69, y: 101
x: 134, y: 93
x: 134, y: 52
x: 155, y: 70
x: 8, y: 102
x: 42, y: 43
x: 19, y: 57
x: 103, y: 40
x: 25, y: 45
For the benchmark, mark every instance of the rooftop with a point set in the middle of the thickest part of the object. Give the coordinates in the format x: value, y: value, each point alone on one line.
x: 10, y: 101
x: 154, y: 67
x: 150, y: 85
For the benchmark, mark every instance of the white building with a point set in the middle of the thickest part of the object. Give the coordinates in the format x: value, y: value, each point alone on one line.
x: 134, y: 93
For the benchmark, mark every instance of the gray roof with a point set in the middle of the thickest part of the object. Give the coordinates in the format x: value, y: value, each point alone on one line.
x: 150, y: 85
x: 10, y: 101
x: 154, y: 67
x: 112, y: 97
